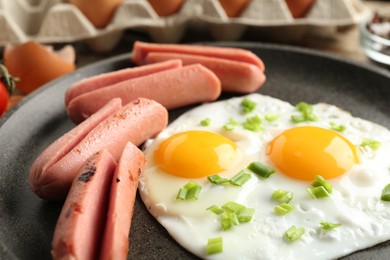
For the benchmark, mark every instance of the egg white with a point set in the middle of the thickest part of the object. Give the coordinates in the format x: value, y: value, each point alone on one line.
x: 355, y: 202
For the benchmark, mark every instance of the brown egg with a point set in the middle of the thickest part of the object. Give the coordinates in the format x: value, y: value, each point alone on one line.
x: 233, y: 8
x: 98, y: 12
x: 35, y: 64
x: 166, y: 7
x: 299, y: 8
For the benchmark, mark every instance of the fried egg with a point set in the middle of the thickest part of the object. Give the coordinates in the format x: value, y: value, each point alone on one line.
x: 224, y: 137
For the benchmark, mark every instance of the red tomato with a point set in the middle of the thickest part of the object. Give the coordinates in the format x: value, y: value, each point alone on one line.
x: 3, y: 98
x: 7, y: 85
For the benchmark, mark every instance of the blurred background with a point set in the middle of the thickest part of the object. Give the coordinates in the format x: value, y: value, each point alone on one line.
x: 93, y: 30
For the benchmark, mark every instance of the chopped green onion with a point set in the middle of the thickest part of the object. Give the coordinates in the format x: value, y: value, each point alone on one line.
x: 328, y: 226
x: 386, y: 193
x: 240, y: 178
x: 320, y: 181
x: 373, y: 144
x: 232, y: 206
x: 297, y: 119
x: 245, y: 215
x: 247, y: 105
x: 214, y: 245
x: 270, y: 117
x: 228, y: 220
x: 215, y: 209
x: 231, y: 124
x: 205, y: 122
x: 310, y: 117
x: 338, y: 128
x: 318, y: 192
x: 190, y: 191
x: 293, y: 233
x: 304, y: 107
x: 253, y: 124
x: 232, y: 213
x: 260, y: 169
x: 216, y: 179
x: 306, y: 113
x: 283, y: 208
x: 282, y: 196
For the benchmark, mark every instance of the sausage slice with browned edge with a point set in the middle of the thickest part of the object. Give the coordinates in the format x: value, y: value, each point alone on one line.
x: 235, y: 76
x: 124, y: 185
x: 80, y: 226
x: 141, y: 50
x: 171, y: 88
x: 62, y: 146
x: 113, y: 77
x: 136, y: 122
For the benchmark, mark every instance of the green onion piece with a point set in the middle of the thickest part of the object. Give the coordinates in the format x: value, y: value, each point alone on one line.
x: 190, y: 191
x: 215, y: 209
x: 231, y: 124
x: 318, y: 192
x: 216, y: 179
x: 205, y: 122
x: 240, y: 178
x: 253, y: 124
x: 293, y: 233
x: 182, y: 195
x: 297, y: 119
x: 304, y: 107
x: 271, y: 117
x: 328, y: 226
x: 373, y: 144
x: 386, y: 193
x: 338, y: 128
x: 283, y: 208
x: 247, y: 105
x: 282, y: 196
x: 214, y: 245
x: 232, y: 206
x: 320, y: 181
x: 260, y: 169
x: 245, y: 215
x: 306, y: 113
x: 310, y: 117
x: 228, y: 220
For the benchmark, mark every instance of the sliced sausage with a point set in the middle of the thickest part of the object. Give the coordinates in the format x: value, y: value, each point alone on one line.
x: 115, y: 244
x: 172, y: 88
x: 235, y: 76
x: 58, y: 149
x: 141, y: 50
x: 79, y: 228
x: 109, y: 78
x: 136, y: 122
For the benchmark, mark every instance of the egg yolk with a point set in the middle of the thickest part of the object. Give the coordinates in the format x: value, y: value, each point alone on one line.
x: 195, y: 154
x: 304, y: 152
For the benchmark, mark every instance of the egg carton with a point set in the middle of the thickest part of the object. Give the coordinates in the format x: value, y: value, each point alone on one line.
x: 56, y: 21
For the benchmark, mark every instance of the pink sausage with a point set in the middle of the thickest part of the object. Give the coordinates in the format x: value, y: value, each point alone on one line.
x: 235, y: 76
x: 115, y: 244
x: 53, y: 153
x: 79, y: 228
x: 136, y: 122
x: 141, y: 50
x: 172, y: 88
x: 109, y: 78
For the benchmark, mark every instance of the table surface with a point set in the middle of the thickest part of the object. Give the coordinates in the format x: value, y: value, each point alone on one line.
x: 343, y: 41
